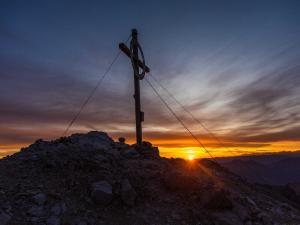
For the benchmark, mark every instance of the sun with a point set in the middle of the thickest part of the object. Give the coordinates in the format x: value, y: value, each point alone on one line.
x: 190, y: 155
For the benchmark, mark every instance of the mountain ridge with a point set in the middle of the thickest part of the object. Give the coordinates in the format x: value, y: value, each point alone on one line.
x: 278, y: 172
x: 91, y: 179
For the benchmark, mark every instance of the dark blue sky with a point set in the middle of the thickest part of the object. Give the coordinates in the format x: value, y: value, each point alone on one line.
x: 235, y: 64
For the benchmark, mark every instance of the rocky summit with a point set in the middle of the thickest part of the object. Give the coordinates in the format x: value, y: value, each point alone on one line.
x: 89, y: 179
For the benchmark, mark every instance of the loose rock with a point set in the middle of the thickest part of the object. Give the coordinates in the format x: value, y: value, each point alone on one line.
x: 4, y: 218
x: 53, y: 221
x: 128, y: 193
x: 40, y: 198
x: 102, y: 192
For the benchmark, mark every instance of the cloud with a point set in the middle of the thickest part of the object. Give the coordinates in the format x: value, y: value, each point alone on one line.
x: 271, y: 102
x: 291, y: 134
x: 39, y: 98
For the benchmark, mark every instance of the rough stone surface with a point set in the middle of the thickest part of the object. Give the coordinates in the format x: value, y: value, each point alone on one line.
x: 128, y: 193
x: 88, y: 179
x: 102, y: 192
x: 36, y: 211
x: 53, y: 221
x: 4, y: 218
x: 40, y: 198
x: 178, y: 181
x: 58, y: 208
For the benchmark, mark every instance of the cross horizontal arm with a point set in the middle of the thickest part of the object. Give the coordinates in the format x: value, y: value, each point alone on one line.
x: 126, y: 50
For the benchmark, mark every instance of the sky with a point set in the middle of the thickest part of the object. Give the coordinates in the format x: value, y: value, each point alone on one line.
x: 234, y: 64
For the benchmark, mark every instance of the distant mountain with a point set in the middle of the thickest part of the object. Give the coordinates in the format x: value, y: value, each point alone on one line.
x: 285, y: 171
x: 279, y: 169
x: 249, y: 169
x: 89, y: 179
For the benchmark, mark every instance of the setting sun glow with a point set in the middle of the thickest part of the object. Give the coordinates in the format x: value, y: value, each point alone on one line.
x: 190, y: 155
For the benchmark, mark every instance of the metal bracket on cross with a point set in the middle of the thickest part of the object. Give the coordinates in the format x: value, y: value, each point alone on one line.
x: 134, y: 58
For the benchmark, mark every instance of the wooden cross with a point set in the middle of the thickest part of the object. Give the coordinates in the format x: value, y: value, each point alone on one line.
x: 137, y: 64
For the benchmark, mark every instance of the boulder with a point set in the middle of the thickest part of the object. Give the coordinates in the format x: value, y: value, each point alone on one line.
x: 130, y: 153
x: 36, y: 211
x: 58, y: 208
x: 295, y: 187
x: 265, y: 219
x: 93, y: 139
x: 4, y: 218
x: 128, y: 194
x: 40, y: 199
x: 102, y: 193
x: 122, y: 140
x: 53, y: 221
x: 251, y: 202
x: 148, y: 151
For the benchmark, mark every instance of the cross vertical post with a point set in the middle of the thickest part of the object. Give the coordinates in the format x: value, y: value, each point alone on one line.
x: 137, y: 96
x: 137, y: 64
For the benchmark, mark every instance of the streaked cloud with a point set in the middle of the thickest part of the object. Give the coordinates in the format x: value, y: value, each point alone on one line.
x: 236, y: 70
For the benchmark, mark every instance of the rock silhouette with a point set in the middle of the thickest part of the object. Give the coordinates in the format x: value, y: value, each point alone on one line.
x: 90, y: 179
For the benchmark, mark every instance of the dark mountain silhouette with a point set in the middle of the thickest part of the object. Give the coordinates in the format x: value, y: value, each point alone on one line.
x: 89, y: 179
x: 277, y: 169
x: 248, y: 169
